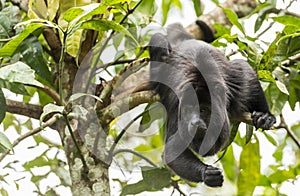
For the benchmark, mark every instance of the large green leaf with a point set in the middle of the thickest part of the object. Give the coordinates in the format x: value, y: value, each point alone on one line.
x: 105, y: 25
x: 53, y: 6
x: 229, y: 164
x: 249, y: 169
x: 166, y: 5
x: 147, y: 7
x: 233, y: 18
x: 32, y: 54
x: 19, y: 72
x: 14, y: 87
x: 154, y: 179
x: 10, y: 47
x: 72, y: 13
x: 2, y: 105
x: 288, y: 20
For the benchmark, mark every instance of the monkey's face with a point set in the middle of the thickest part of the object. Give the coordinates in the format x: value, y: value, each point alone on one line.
x: 194, y: 113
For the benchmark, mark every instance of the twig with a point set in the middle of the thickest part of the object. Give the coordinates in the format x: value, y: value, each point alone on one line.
x: 176, y: 186
x: 52, y: 93
x: 118, y: 138
x: 289, y: 132
x: 75, y: 142
x: 290, y: 60
x: 48, y: 123
x: 136, y: 154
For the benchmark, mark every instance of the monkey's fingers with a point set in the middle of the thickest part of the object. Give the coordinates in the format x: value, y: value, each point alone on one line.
x: 263, y: 120
x: 213, y: 177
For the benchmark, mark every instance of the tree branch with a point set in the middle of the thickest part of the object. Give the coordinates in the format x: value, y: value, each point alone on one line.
x: 117, y: 108
x: 107, y: 91
x: 136, y: 154
x: 48, y: 123
x: 217, y: 16
x: 25, y: 109
x: 289, y: 132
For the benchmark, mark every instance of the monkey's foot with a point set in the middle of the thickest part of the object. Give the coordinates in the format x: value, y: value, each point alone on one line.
x: 263, y: 120
x: 212, y: 176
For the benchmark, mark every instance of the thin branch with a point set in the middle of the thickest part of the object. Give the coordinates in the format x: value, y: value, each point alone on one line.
x: 176, y: 186
x: 289, y: 132
x: 52, y: 93
x: 48, y: 123
x: 111, y: 150
x: 136, y: 154
x: 290, y: 60
x: 75, y: 142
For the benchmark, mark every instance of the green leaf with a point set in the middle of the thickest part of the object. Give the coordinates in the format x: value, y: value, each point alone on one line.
x: 249, y: 133
x: 263, y: 10
x: 19, y: 72
x: 4, y: 143
x: 51, y: 108
x: 282, y: 87
x: 74, y: 42
x: 105, y: 25
x: 233, y: 132
x: 40, y: 161
x: 152, y: 112
x: 132, y: 189
x: 198, y: 7
x: 72, y: 13
x: 14, y: 87
x: 147, y: 7
x: 280, y: 176
x: 233, y: 18
x: 165, y: 5
x: 270, y: 138
x: 32, y: 54
x: 276, y: 99
x: 2, y: 106
x: 36, y: 179
x: 53, y: 6
x: 265, y: 76
x: 10, y: 47
x: 156, y: 178
x: 3, y: 192
x: 79, y: 95
x: 4, y: 26
x: 113, y: 2
x: 229, y: 164
x: 249, y: 169
x: 288, y: 20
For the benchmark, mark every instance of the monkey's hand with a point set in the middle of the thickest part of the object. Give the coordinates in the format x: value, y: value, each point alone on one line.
x: 212, y: 176
x: 263, y: 120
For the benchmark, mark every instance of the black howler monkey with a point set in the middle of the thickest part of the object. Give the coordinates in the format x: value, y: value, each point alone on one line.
x: 202, y: 92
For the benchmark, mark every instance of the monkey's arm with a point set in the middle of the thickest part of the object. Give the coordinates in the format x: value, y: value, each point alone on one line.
x: 189, y: 167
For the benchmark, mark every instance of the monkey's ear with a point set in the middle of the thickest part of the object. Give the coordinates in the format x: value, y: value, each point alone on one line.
x: 159, y: 47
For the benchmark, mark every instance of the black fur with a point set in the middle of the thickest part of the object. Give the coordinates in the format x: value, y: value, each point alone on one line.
x: 202, y: 92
